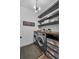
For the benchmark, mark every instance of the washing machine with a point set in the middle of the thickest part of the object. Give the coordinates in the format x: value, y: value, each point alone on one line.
x: 41, y: 38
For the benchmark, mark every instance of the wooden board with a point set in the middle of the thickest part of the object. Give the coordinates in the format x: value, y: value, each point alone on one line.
x: 43, y: 57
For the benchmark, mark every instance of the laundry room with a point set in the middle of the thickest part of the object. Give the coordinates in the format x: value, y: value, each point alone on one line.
x: 39, y: 29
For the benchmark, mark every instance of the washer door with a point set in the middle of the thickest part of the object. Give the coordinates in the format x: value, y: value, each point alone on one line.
x: 40, y: 41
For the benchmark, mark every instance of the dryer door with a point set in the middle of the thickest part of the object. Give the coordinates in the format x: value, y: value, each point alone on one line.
x: 40, y: 41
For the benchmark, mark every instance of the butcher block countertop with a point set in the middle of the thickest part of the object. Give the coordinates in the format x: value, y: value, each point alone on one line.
x: 50, y: 34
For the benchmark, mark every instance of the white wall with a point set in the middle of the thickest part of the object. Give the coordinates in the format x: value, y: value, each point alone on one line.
x: 26, y: 31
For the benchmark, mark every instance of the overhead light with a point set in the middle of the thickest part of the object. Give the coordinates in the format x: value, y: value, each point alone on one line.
x: 36, y: 7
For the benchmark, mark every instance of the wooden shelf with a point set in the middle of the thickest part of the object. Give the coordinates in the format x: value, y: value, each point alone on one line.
x: 51, y: 23
x: 52, y: 8
x: 50, y: 17
x: 51, y: 54
x: 52, y: 49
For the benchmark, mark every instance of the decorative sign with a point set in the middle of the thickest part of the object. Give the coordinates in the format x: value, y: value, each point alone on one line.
x: 26, y: 23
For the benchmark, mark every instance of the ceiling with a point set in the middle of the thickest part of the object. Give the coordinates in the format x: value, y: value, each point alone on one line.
x: 29, y: 4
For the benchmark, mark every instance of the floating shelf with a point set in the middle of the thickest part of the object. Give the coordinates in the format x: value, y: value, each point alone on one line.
x: 51, y: 54
x: 50, y: 17
x: 52, y: 8
x: 51, y: 23
x: 52, y: 49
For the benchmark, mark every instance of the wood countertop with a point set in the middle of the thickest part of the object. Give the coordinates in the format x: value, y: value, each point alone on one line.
x: 54, y: 35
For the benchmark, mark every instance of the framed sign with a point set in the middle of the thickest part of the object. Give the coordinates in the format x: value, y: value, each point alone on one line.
x: 26, y: 23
